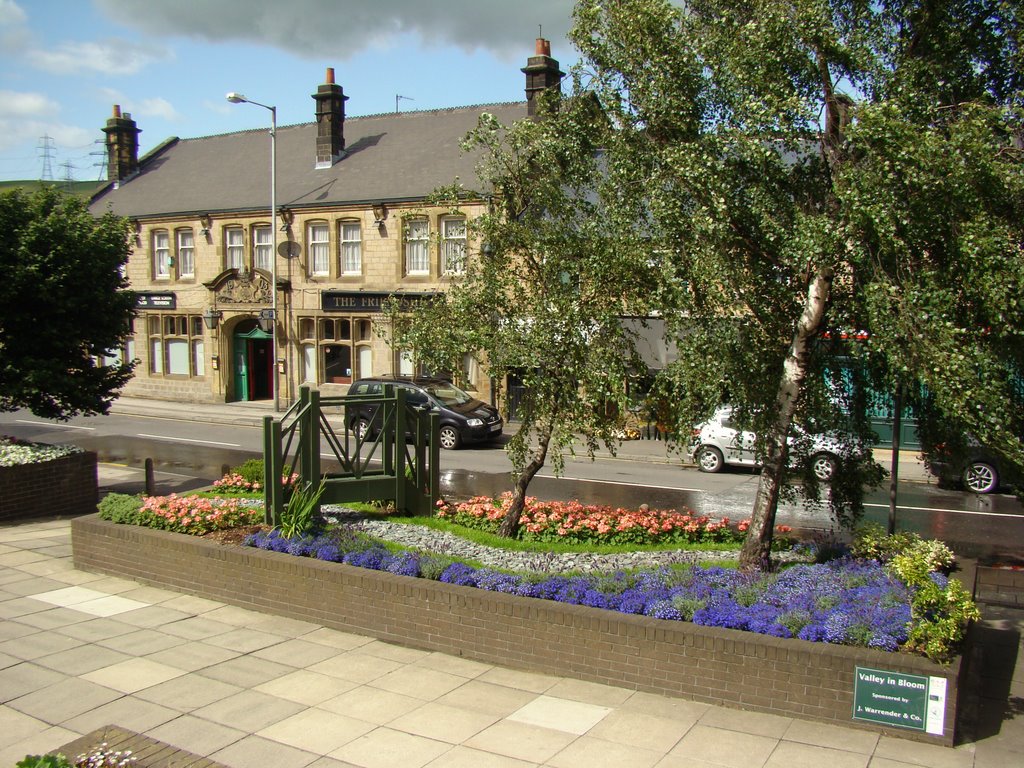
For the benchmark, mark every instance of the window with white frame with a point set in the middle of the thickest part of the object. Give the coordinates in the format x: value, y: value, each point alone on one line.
x: 469, y: 370
x: 234, y: 248
x: 406, y: 365
x: 319, y: 249
x: 453, y: 245
x: 262, y: 248
x: 307, y: 349
x: 330, y: 348
x: 364, y: 355
x: 186, y: 253
x: 161, y: 255
x: 351, y: 248
x: 417, y: 247
x: 176, y: 346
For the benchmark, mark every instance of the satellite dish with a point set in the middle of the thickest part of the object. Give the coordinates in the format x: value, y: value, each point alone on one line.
x: 289, y: 249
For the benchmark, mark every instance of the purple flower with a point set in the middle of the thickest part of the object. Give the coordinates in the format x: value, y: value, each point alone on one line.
x: 460, y: 574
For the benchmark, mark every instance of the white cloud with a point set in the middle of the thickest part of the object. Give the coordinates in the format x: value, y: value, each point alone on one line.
x: 11, y: 13
x: 342, y: 28
x: 109, y: 57
x: 158, y: 107
x: 16, y: 133
x: 15, y: 104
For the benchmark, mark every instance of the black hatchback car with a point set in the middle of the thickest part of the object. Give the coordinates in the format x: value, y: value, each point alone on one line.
x: 464, y: 419
x: 975, y: 467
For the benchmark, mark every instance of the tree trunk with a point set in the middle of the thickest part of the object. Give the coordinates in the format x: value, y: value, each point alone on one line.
x: 510, y: 524
x: 757, y: 548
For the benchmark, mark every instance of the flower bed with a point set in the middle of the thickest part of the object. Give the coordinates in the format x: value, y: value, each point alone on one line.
x: 573, y: 522
x: 39, y: 480
x: 706, y: 663
x: 191, y: 514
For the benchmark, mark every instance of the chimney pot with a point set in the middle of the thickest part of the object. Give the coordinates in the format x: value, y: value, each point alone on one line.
x: 122, y: 146
x: 330, y: 121
x: 542, y: 73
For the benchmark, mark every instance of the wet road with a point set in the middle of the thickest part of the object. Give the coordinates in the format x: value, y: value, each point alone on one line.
x: 989, y: 527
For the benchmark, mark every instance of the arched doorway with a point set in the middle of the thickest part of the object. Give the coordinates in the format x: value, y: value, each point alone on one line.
x: 253, y: 358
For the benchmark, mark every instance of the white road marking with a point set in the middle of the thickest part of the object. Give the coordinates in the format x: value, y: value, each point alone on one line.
x: 189, y: 440
x: 51, y: 424
x: 940, y: 509
x: 622, y: 482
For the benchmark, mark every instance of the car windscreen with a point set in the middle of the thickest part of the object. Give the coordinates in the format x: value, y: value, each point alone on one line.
x: 448, y: 394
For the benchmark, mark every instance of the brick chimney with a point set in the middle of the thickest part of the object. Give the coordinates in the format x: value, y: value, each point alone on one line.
x: 541, y: 72
x: 330, y: 122
x: 122, y: 146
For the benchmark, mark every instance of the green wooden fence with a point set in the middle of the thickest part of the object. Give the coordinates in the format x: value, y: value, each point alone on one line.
x: 399, y: 463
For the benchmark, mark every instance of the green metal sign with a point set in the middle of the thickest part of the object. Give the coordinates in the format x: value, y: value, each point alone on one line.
x: 899, y: 700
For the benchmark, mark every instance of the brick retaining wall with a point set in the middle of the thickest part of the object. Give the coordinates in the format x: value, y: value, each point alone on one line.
x: 66, y: 486
x: 718, y: 666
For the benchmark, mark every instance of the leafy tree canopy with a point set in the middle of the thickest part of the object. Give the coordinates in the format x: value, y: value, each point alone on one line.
x: 63, y: 304
x: 812, y: 169
x: 553, y: 270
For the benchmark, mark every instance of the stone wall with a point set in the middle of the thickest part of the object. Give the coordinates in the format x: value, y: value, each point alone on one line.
x: 718, y: 666
x: 61, y: 487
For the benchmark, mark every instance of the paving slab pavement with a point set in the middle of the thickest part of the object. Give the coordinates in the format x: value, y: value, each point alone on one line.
x: 79, y: 651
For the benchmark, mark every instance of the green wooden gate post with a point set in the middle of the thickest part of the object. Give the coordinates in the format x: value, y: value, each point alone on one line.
x: 434, y: 465
x: 398, y: 448
x: 309, y: 436
x: 273, y: 468
x: 387, y: 436
x: 311, y: 444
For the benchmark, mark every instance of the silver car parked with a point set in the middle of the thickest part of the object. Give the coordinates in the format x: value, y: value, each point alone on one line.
x: 720, y: 441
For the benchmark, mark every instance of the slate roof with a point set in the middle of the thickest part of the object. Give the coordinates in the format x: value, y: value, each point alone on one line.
x: 389, y: 158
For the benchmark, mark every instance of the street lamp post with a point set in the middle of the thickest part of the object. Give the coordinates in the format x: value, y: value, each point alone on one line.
x: 237, y: 98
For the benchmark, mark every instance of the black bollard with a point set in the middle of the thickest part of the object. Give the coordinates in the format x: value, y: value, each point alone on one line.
x: 150, y: 479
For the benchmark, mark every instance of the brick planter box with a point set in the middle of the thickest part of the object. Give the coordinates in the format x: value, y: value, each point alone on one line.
x: 719, y: 666
x: 62, y: 487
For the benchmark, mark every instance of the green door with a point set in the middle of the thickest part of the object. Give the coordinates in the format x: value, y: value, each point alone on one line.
x: 241, y: 369
x: 253, y: 363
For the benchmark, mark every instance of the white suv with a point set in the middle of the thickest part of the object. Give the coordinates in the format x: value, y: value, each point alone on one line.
x: 719, y: 441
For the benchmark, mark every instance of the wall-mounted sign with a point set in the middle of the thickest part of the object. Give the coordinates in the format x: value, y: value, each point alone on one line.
x: 363, y: 301
x: 900, y: 700
x: 156, y: 301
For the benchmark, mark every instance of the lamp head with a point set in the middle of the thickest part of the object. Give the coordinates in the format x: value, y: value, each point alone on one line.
x: 236, y: 98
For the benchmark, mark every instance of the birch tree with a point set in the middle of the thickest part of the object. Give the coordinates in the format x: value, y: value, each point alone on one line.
x: 815, y: 169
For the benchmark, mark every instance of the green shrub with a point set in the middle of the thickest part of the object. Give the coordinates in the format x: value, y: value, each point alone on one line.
x: 942, y: 613
x: 872, y: 542
x: 915, y: 563
x: 43, y: 761
x: 121, y: 508
x: 251, y: 471
x: 941, y: 608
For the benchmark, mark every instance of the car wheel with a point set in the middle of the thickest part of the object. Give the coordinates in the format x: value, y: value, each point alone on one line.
x: 710, y: 459
x: 981, y: 477
x: 824, y: 466
x: 361, y: 428
x: 449, y: 438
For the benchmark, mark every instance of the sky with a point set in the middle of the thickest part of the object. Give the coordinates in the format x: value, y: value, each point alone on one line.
x: 170, y: 63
